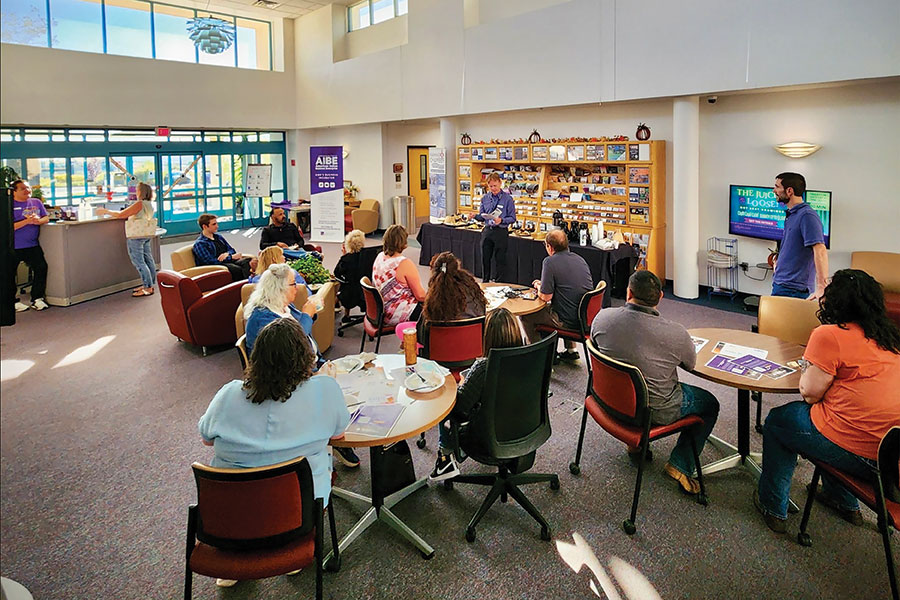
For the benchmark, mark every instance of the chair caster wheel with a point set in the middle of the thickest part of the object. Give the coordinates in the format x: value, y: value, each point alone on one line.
x: 340, y: 334
x: 448, y: 485
x: 428, y: 556
x: 803, y: 539
x: 545, y: 534
x: 333, y: 565
x: 574, y: 469
x: 629, y: 527
x: 554, y: 483
x: 420, y: 443
x: 702, y: 499
x: 759, y: 428
x: 470, y: 534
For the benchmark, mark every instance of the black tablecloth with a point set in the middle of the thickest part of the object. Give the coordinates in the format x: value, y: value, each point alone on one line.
x: 524, y: 256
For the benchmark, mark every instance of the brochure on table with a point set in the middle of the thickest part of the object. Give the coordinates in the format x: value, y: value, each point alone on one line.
x: 377, y: 399
x: 326, y: 182
x: 743, y: 361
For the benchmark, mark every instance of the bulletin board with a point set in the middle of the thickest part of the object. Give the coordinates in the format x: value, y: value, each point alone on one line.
x: 258, y: 182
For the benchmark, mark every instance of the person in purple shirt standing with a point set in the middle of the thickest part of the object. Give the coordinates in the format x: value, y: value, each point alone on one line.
x: 802, y: 264
x: 497, y: 212
x: 28, y: 216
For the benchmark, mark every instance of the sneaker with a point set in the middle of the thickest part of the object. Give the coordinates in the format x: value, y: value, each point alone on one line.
x: 569, y: 356
x: 297, y: 572
x: 854, y: 517
x: 20, y: 307
x: 774, y: 523
x: 39, y: 304
x: 445, y: 467
x: 347, y: 457
x: 226, y: 582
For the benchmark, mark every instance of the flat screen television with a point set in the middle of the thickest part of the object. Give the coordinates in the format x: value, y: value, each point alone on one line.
x: 755, y: 212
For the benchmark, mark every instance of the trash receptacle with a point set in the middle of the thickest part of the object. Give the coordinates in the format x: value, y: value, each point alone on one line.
x: 405, y: 212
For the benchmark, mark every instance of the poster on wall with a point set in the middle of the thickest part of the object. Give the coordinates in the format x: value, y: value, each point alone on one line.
x: 437, y: 183
x: 326, y: 186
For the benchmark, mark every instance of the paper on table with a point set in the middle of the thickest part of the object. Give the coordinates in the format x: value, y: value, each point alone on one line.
x: 699, y: 342
x: 736, y: 350
x: 375, y: 420
x: 720, y: 363
x: 757, y: 364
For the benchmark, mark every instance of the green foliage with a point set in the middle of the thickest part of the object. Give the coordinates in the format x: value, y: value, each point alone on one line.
x: 312, y: 270
x: 7, y: 176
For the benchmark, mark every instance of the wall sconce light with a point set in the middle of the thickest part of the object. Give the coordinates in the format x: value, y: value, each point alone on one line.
x: 797, y: 149
x: 345, y: 153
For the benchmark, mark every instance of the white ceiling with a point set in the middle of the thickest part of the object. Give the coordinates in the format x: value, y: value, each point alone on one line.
x: 286, y: 8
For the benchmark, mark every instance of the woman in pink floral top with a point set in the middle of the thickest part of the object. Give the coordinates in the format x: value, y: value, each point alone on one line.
x: 397, y: 278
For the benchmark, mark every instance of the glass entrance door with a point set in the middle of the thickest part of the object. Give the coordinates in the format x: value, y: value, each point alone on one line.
x: 182, y: 191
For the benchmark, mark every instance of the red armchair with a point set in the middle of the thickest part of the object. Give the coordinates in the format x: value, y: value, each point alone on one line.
x: 200, y: 310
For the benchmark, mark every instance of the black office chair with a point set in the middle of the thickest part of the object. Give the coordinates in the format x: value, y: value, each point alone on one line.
x: 349, y: 270
x: 512, y: 423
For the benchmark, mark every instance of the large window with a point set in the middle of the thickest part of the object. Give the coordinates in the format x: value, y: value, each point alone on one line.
x: 140, y: 28
x: 371, y: 12
x: 191, y: 171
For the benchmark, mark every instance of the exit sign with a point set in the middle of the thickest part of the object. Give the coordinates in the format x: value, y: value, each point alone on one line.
x: 163, y: 131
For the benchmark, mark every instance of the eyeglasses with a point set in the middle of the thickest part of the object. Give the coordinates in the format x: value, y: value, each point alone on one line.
x: 293, y: 284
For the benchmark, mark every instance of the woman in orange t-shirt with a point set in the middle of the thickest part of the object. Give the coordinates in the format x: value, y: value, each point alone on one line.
x: 851, y: 393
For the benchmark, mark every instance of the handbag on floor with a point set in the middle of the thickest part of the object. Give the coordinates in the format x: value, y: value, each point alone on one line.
x: 394, y: 467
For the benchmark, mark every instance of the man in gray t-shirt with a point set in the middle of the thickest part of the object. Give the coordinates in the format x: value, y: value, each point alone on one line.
x: 565, y: 278
x: 637, y: 335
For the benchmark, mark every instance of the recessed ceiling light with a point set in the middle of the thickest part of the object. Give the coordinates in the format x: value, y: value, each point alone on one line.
x: 266, y: 4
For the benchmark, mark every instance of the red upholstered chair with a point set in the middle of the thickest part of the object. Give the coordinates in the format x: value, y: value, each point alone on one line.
x: 454, y: 345
x: 881, y: 494
x: 200, y: 310
x: 373, y: 324
x: 256, y: 523
x: 618, y: 403
x: 590, y: 305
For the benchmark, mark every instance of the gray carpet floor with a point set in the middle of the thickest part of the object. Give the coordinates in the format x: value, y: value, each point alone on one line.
x: 95, y: 460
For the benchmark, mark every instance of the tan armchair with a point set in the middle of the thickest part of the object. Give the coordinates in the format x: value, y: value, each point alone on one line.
x: 885, y: 268
x: 365, y: 218
x: 183, y: 262
x: 323, y: 326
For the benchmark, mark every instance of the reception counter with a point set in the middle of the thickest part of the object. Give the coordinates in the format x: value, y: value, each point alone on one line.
x: 88, y: 259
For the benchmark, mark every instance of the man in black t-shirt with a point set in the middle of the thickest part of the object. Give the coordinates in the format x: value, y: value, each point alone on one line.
x: 280, y: 232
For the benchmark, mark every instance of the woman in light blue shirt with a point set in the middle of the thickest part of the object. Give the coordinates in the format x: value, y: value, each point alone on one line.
x: 279, y: 411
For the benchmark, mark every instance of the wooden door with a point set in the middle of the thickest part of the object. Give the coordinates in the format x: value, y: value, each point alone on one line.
x: 418, y: 181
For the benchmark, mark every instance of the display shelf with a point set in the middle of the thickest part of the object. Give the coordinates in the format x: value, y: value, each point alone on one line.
x: 621, y: 183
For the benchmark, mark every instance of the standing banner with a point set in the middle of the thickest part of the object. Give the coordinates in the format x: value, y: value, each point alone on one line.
x: 326, y: 186
x: 437, y: 183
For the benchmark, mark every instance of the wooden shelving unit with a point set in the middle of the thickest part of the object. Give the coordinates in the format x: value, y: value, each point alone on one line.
x: 622, y: 184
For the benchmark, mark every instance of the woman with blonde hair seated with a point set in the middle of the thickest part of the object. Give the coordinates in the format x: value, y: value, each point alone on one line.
x: 397, y: 278
x: 349, y: 271
x: 274, y: 255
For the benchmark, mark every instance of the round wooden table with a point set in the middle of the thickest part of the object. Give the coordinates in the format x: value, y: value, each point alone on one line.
x: 779, y: 352
x: 517, y: 306
x: 424, y: 411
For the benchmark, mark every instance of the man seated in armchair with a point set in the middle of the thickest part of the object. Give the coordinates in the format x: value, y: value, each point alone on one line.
x: 280, y: 232
x: 212, y: 249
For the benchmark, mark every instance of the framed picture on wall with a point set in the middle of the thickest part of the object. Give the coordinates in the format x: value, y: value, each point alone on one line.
x: 539, y: 152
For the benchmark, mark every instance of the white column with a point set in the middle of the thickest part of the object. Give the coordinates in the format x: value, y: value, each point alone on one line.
x: 448, y: 141
x: 686, y: 196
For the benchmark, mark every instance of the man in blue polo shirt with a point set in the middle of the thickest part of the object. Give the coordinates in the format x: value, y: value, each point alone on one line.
x: 497, y: 212
x: 802, y: 264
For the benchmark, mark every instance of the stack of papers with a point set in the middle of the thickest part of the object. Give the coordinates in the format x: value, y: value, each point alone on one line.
x: 749, y: 366
x: 375, y: 420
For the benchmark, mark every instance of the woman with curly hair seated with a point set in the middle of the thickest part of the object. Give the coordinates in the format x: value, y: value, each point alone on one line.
x: 278, y: 412
x: 850, y: 400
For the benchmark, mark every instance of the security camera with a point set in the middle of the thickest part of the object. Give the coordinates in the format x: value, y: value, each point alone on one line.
x: 712, y: 99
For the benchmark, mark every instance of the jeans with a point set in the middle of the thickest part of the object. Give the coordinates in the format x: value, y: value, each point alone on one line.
x: 780, y: 290
x: 788, y: 431
x: 695, y: 401
x: 141, y: 255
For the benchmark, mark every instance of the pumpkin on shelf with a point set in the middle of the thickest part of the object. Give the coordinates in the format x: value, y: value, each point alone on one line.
x: 535, y: 137
x: 643, y: 132
x: 466, y: 139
